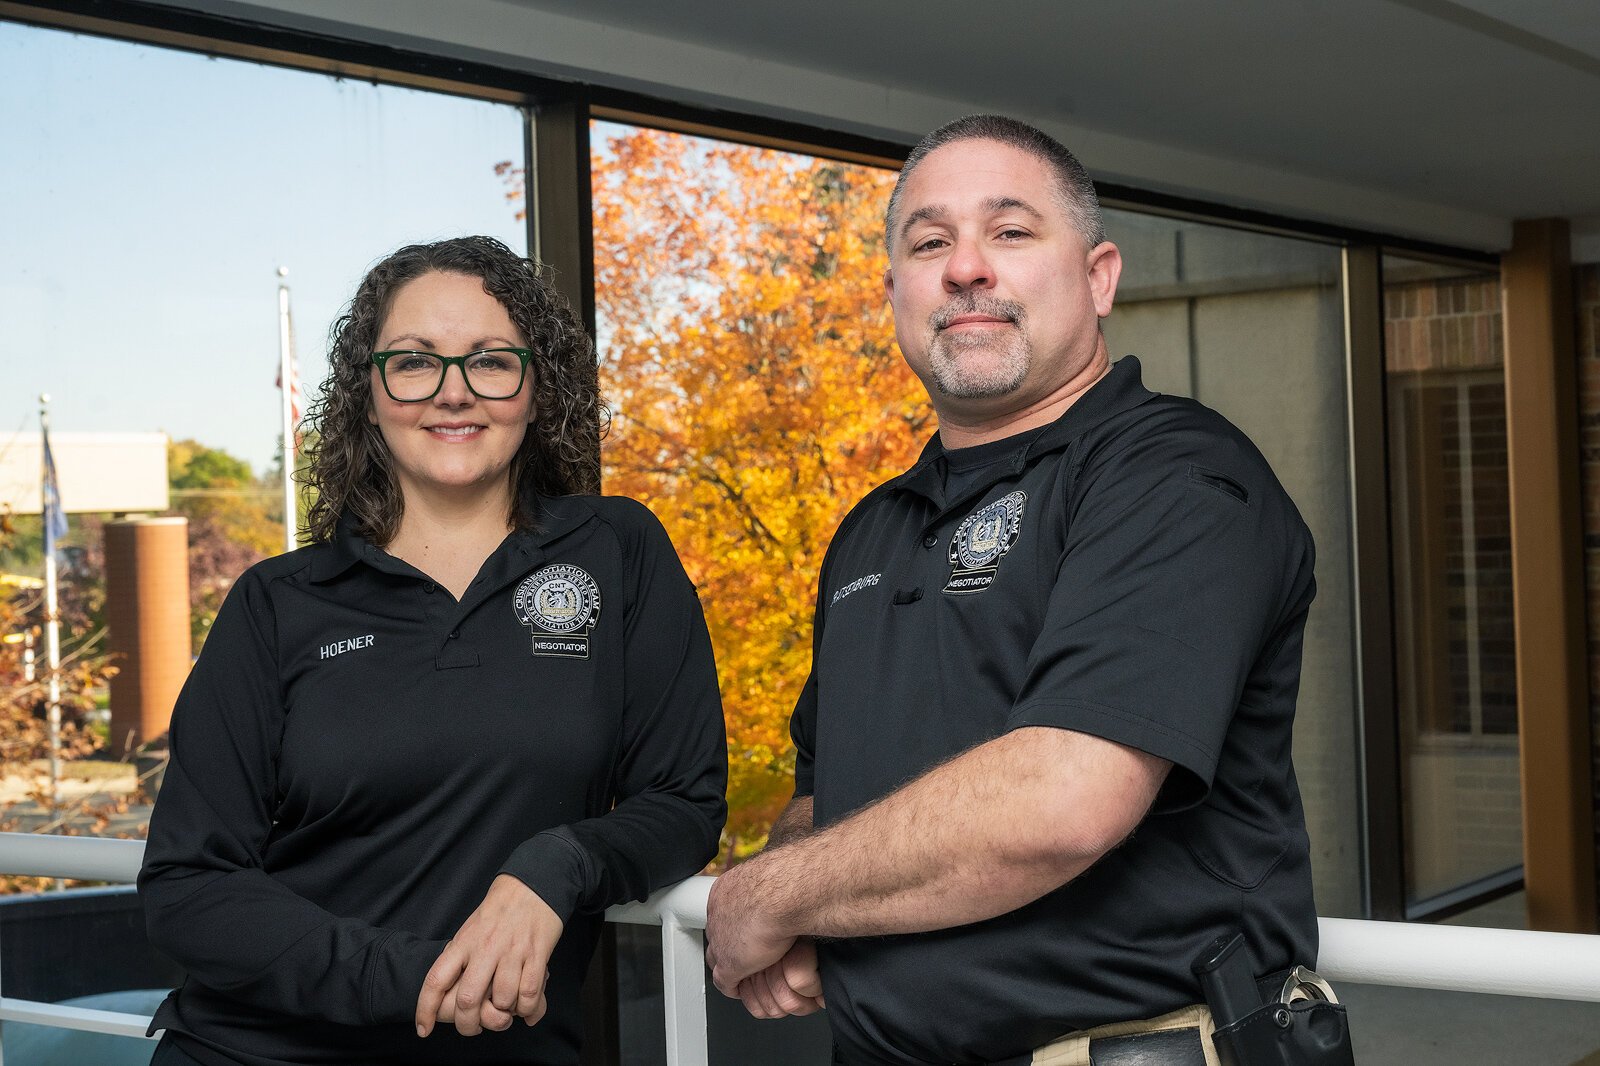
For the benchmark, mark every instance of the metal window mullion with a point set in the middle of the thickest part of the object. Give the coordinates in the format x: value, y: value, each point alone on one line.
x: 1382, y: 808
x: 560, y: 212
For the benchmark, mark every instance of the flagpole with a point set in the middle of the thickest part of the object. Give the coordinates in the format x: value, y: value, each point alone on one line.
x: 52, y: 620
x: 291, y: 517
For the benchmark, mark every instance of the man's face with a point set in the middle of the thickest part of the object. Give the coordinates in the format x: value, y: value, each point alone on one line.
x: 997, y: 297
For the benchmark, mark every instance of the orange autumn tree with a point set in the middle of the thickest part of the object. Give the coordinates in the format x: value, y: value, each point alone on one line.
x: 748, y: 357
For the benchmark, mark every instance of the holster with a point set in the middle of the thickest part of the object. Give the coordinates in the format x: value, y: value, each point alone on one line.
x: 1304, y: 1025
x: 1305, y: 1033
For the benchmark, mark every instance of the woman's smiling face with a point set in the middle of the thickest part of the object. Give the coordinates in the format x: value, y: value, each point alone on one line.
x: 456, y: 440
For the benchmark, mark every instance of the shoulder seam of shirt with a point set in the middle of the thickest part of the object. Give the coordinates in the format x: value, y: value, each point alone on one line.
x: 615, y: 516
x: 872, y: 499
x: 275, y: 568
x: 629, y: 520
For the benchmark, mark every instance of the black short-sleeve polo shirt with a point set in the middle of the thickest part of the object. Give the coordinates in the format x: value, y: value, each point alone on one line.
x: 1133, y: 571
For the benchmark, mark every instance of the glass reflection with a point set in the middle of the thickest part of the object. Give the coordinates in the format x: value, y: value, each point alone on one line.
x: 1454, y: 640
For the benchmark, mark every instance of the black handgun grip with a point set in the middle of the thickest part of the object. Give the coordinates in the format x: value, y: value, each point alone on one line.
x: 1228, y: 979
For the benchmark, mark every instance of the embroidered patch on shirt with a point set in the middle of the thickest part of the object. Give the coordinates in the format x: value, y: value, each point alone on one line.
x: 855, y: 586
x: 981, y: 541
x: 339, y: 647
x: 560, y: 604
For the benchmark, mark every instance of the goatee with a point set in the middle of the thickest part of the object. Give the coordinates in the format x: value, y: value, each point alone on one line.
x: 975, y: 364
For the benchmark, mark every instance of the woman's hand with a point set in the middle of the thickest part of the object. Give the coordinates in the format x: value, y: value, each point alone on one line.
x: 495, y: 968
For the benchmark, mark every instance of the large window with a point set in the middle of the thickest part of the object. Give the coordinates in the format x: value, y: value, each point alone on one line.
x: 749, y: 359
x: 149, y: 198
x: 1251, y: 325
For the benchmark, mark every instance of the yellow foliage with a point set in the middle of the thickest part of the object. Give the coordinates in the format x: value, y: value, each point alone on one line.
x: 749, y: 360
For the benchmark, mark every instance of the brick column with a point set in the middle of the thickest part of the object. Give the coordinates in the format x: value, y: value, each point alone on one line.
x: 147, y: 611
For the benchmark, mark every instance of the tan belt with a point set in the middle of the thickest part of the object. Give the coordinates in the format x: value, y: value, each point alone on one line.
x: 1073, y: 1050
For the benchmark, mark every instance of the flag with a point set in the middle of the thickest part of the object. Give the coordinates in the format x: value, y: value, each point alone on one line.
x: 294, y: 373
x: 55, y: 519
x: 288, y: 367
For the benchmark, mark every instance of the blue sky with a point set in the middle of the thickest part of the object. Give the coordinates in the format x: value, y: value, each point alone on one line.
x: 149, y: 197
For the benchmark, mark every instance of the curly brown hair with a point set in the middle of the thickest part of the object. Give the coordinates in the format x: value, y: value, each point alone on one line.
x: 350, y: 467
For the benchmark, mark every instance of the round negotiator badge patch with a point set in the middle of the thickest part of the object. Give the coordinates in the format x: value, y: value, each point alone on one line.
x: 560, y: 603
x: 981, y: 541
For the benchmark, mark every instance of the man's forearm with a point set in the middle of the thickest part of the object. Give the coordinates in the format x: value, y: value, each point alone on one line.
x: 794, y: 823
x: 979, y: 836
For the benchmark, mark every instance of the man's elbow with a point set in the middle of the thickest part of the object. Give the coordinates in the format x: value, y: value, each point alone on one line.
x: 1082, y: 821
x: 1060, y: 851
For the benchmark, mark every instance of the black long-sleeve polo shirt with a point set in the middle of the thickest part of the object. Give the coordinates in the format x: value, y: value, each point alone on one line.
x: 356, y: 755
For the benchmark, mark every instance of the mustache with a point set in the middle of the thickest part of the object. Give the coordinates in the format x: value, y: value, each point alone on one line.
x: 971, y: 303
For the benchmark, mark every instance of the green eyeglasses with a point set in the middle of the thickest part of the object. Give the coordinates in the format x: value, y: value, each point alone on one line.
x: 491, y: 374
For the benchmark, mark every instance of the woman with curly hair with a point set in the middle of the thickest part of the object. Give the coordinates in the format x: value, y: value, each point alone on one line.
x: 418, y: 758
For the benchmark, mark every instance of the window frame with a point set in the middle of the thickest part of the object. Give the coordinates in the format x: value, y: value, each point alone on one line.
x: 559, y: 220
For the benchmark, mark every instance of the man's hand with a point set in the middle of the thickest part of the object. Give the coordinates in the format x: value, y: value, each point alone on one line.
x: 978, y: 836
x: 792, y: 985
x: 742, y: 938
x: 495, y: 968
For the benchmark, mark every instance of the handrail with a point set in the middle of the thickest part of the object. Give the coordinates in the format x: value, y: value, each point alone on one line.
x: 82, y: 1019
x: 680, y: 910
x: 1501, y: 962
x: 1508, y: 962
x: 74, y: 858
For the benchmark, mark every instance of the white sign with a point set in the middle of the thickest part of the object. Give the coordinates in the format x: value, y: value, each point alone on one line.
x: 96, y: 472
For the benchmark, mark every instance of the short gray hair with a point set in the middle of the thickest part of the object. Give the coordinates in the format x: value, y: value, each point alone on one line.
x: 1077, y: 193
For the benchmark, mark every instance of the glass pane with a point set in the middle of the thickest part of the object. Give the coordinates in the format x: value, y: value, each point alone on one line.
x: 150, y: 196
x: 749, y: 359
x: 1252, y: 326
x: 1455, y: 653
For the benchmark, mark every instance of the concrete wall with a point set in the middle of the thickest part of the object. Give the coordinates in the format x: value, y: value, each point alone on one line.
x: 1252, y: 326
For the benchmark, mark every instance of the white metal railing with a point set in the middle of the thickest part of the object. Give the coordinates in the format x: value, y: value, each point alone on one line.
x: 1505, y: 962
x: 679, y: 910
